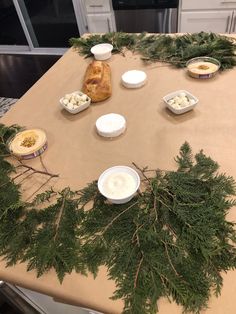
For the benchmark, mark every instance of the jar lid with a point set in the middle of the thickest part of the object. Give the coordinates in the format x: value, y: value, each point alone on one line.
x: 134, y: 79
x: 111, y: 125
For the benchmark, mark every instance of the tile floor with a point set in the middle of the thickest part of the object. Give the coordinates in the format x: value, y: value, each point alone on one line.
x: 20, y: 72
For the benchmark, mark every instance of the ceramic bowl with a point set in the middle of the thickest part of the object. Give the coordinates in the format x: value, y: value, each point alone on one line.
x: 123, y: 173
x: 102, y: 51
x: 78, y: 108
x: 184, y: 109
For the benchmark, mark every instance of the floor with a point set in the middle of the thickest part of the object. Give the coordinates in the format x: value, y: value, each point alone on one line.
x: 20, y: 72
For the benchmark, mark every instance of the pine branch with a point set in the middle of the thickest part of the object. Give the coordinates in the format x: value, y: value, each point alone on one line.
x: 137, y: 272
x: 175, y: 50
x: 116, y: 217
x: 39, y: 171
x: 172, y: 240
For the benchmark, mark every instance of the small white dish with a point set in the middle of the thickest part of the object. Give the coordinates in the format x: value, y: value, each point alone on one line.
x: 111, y: 125
x: 119, y: 184
x: 81, y: 105
x: 134, y: 79
x: 102, y: 51
x: 184, y: 109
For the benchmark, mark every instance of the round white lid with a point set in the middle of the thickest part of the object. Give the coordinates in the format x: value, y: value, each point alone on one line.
x: 111, y: 125
x: 134, y: 78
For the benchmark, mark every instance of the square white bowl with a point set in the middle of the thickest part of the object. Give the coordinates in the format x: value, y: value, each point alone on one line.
x: 184, y: 109
x: 79, y: 108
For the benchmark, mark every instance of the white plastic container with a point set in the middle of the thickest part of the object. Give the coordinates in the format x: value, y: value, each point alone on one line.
x: 203, y: 67
x: 111, y: 125
x: 76, y: 108
x: 102, y: 51
x: 119, y: 184
x: 134, y: 79
x: 193, y: 101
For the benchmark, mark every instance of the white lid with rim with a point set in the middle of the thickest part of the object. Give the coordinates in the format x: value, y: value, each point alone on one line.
x: 134, y: 79
x: 111, y: 125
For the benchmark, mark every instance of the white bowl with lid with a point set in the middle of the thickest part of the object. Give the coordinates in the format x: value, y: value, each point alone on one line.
x: 134, y: 79
x: 203, y: 67
x: 119, y: 184
x: 102, y: 51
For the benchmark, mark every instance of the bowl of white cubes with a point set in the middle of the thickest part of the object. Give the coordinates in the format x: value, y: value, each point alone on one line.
x: 180, y: 101
x: 75, y: 102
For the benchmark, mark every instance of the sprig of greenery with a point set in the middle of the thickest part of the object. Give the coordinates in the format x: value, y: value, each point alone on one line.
x: 171, y: 240
x: 118, y: 40
x: 176, y: 50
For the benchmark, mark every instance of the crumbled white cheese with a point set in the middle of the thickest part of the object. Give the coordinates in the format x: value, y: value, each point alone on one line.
x: 181, y: 101
x: 74, y: 100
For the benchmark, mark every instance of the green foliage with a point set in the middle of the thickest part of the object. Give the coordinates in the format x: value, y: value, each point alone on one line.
x: 5, y: 135
x: 118, y: 40
x: 171, y: 240
x: 54, y: 242
x: 176, y: 50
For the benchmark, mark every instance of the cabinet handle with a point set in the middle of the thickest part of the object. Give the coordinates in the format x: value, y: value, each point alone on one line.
x: 234, y: 25
x: 227, y: 25
x: 96, y: 5
x: 109, y: 26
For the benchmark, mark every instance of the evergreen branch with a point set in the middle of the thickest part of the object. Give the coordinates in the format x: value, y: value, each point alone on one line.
x: 117, y: 217
x: 26, y: 177
x: 38, y: 189
x: 20, y: 174
x: 137, y: 271
x: 171, y: 240
x: 39, y: 171
x: 174, y: 50
x: 58, y: 220
x: 169, y: 259
x: 43, y: 165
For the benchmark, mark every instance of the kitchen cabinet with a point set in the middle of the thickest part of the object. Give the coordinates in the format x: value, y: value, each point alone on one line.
x: 100, y: 16
x: 100, y: 23
x: 210, y: 21
x: 97, y: 6
x: 209, y: 16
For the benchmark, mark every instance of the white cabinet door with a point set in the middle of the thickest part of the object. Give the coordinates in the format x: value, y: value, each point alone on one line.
x: 208, y: 21
x: 97, y: 6
x: 100, y: 23
x: 208, y: 4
